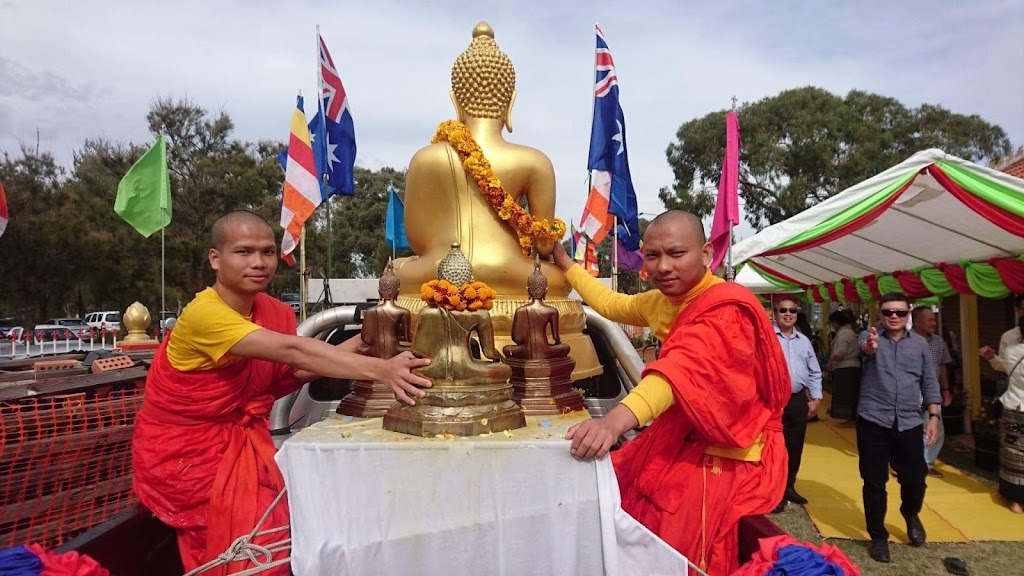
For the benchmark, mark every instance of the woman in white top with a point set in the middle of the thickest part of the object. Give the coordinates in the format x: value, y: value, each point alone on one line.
x: 1011, y: 425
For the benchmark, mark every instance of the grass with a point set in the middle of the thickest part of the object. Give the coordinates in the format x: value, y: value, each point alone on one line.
x: 982, y: 558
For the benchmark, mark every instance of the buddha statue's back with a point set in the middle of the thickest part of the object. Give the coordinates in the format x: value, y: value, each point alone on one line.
x: 444, y: 202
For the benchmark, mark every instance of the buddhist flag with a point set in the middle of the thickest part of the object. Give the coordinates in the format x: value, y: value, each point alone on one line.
x: 727, y: 209
x: 394, y: 225
x: 596, y: 222
x: 4, y: 216
x: 144, y: 194
x: 301, y: 189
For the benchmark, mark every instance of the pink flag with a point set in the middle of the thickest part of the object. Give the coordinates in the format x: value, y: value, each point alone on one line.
x: 727, y: 209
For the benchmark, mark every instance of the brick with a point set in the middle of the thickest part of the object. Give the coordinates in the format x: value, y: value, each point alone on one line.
x: 52, y: 365
x: 112, y: 363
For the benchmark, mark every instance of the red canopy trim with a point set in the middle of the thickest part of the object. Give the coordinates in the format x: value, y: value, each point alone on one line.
x: 994, y: 214
x: 911, y: 284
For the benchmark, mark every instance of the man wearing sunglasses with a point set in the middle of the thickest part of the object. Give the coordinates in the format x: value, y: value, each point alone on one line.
x: 898, y: 378
x: 805, y: 378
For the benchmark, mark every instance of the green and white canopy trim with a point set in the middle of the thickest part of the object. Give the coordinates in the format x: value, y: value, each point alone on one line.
x: 933, y: 225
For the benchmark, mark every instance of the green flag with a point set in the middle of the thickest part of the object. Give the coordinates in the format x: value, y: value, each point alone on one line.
x: 144, y: 194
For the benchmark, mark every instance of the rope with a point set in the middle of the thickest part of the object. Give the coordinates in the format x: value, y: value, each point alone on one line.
x: 243, y: 548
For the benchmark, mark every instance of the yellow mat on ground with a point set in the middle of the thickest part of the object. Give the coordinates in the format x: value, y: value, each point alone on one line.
x: 957, y: 508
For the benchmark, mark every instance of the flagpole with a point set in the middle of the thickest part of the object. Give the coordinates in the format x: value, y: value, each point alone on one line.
x: 163, y: 302
x: 302, y: 275
x: 615, y: 255
x: 730, y: 273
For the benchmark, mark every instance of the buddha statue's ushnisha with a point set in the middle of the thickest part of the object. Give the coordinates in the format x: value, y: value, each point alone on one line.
x: 470, y: 394
x: 385, y: 327
x: 468, y: 186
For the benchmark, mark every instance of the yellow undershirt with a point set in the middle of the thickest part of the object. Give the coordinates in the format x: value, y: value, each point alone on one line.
x: 204, y: 333
x: 653, y: 395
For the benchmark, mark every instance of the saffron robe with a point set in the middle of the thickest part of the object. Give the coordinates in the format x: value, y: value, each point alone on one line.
x: 202, y: 454
x: 730, y: 382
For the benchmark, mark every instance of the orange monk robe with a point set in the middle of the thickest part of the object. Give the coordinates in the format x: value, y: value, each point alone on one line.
x: 202, y: 454
x: 717, y: 454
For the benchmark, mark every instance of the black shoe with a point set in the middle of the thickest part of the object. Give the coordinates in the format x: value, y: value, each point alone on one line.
x: 879, y: 551
x: 795, y: 498
x: 780, y: 507
x: 915, y: 531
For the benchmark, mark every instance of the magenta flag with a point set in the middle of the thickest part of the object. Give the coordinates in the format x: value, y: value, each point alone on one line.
x: 727, y: 209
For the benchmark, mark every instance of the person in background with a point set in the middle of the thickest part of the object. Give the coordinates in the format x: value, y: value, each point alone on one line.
x: 925, y: 325
x: 898, y: 372
x: 844, y: 368
x: 805, y: 379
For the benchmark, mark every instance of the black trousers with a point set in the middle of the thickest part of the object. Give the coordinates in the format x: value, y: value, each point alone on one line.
x: 879, y: 447
x: 794, y: 430
x: 845, y: 392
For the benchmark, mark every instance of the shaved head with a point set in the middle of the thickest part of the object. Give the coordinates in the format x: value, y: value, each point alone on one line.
x: 220, y: 231
x: 681, y: 220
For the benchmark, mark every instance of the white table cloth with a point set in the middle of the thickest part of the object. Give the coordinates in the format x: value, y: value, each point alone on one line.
x: 367, y: 501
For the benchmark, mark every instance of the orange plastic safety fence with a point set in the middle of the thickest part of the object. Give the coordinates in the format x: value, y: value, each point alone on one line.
x: 65, y: 464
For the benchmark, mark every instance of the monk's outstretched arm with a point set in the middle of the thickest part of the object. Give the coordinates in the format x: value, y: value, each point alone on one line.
x: 321, y: 358
x: 616, y: 307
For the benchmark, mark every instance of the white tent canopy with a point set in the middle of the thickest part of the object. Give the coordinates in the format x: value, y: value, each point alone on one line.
x: 924, y: 224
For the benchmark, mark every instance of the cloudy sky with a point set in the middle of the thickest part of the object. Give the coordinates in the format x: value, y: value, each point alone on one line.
x: 83, y: 68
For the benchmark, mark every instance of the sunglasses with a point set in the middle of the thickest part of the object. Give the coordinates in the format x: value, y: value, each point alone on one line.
x: 788, y: 310
x: 900, y: 313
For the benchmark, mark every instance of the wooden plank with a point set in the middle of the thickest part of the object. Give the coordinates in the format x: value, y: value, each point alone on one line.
x: 26, y: 363
x: 74, y: 383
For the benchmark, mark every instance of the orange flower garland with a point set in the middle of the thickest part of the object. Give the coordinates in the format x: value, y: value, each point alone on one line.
x: 528, y: 228
x: 472, y: 296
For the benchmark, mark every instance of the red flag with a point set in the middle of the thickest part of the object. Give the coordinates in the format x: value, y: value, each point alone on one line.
x: 4, y: 216
x: 727, y: 209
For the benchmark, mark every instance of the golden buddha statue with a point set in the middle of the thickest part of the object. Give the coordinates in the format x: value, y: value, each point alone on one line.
x: 541, y: 370
x: 469, y: 394
x: 444, y: 204
x: 385, y: 327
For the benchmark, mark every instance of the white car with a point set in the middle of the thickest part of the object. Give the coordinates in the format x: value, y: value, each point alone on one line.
x: 110, y: 319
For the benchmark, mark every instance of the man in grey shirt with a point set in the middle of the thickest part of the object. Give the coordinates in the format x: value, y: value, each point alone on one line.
x: 898, y: 378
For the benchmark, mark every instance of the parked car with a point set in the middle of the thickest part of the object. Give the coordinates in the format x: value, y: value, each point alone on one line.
x: 292, y: 299
x: 42, y: 333
x: 6, y: 325
x: 109, y: 319
x: 75, y: 325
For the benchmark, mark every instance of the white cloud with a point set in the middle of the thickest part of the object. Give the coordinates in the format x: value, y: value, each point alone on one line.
x: 81, y: 69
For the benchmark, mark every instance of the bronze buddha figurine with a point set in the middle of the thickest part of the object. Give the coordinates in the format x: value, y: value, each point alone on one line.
x: 469, y: 394
x: 530, y: 324
x: 444, y: 203
x: 385, y: 327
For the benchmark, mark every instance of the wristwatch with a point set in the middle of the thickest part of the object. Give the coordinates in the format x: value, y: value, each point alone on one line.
x: 939, y: 416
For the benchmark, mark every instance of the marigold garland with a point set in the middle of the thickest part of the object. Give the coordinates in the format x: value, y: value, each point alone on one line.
x: 472, y: 296
x: 528, y: 228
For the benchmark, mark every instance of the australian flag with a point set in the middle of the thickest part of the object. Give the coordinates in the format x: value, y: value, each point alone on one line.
x: 333, y: 132
x: 608, y: 145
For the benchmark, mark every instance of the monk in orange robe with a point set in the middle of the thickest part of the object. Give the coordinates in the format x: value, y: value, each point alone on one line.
x: 715, y: 451
x: 202, y: 454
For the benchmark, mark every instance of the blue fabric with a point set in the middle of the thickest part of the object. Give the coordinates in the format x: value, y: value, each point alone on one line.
x: 19, y: 561
x: 338, y: 143
x: 394, y: 227
x: 796, y: 560
x: 317, y: 136
x: 608, y: 145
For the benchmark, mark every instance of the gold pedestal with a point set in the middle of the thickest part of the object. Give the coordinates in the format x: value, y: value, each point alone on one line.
x: 571, y: 321
x: 463, y: 410
x: 544, y: 387
x: 367, y: 400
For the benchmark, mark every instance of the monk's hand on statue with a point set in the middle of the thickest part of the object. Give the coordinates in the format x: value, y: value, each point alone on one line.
x: 871, y: 344
x: 402, y: 381
x: 987, y: 353
x: 591, y: 439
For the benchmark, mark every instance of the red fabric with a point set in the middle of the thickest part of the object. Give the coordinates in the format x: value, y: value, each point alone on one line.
x: 994, y: 214
x: 848, y: 228
x: 850, y: 293
x: 779, y: 275
x: 957, y: 278
x: 763, y: 560
x: 911, y: 284
x: 872, y: 281
x: 202, y: 454
x: 67, y: 564
x: 1011, y: 272
x: 816, y: 294
x: 833, y: 295
x: 731, y: 382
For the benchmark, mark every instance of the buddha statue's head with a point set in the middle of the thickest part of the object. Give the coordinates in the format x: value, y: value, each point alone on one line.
x: 537, y: 283
x: 389, y: 284
x: 483, y: 79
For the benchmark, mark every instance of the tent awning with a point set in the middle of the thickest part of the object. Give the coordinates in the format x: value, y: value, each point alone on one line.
x: 920, y: 226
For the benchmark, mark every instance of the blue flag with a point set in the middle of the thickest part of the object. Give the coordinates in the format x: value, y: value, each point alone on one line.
x: 336, y: 134
x: 608, y: 145
x: 394, y: 228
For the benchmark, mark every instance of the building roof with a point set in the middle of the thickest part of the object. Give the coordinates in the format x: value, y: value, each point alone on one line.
x: 1012, y: 164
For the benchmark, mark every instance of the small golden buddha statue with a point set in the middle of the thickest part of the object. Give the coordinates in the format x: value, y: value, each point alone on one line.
x: 470, y: 393
x: 541, y: 370
x: 385, y: 327
x: 444, y: 203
